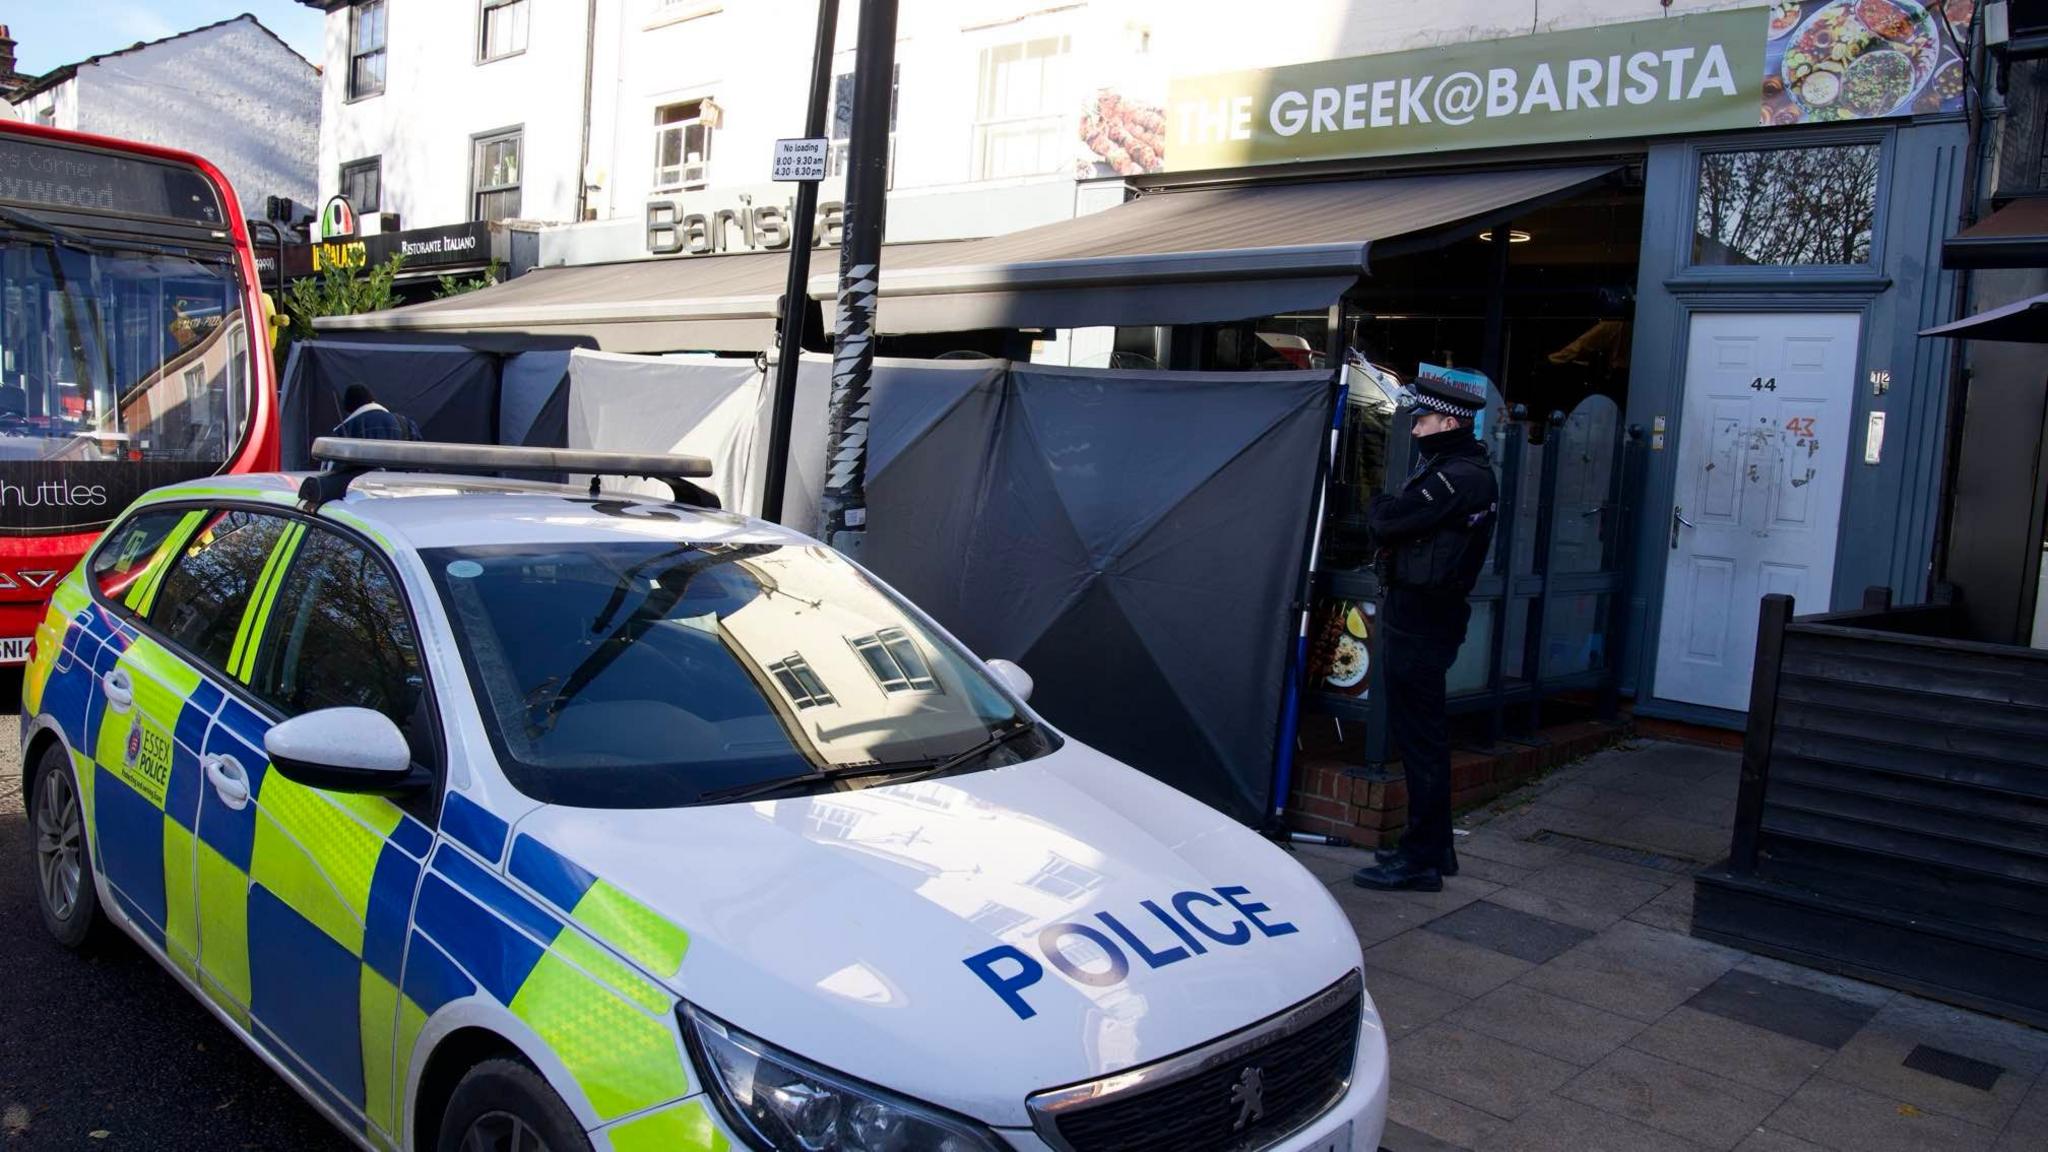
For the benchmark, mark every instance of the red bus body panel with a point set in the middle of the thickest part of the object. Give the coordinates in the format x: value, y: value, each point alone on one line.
x: 22, y: 606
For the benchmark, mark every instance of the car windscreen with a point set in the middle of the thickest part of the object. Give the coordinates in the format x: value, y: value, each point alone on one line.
x: 643, y: 674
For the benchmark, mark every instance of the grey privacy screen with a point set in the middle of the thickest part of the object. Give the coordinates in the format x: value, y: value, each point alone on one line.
x: 1133, y: 539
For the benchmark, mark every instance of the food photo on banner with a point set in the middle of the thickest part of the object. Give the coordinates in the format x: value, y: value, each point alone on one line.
x: 1855, y: 59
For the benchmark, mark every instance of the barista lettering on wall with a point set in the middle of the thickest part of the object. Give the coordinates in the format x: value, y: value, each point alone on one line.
x: 747, y: 227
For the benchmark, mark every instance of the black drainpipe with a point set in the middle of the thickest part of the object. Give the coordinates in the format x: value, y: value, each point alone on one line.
x: 1959, y: 376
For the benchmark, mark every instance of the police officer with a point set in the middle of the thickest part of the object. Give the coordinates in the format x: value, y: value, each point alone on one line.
x: 369, y: 420
x: 1433, y: 535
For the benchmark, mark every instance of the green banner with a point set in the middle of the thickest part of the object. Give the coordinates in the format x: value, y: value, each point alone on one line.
x: 1820, y: 60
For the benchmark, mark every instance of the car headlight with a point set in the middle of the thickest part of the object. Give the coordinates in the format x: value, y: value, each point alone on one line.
x: 783, y: 1103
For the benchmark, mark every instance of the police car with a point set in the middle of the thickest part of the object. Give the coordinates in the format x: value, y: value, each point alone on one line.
x: 502, y: 814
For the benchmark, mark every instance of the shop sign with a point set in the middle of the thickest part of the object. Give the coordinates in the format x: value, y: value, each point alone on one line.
x: 1819, y: 61
x: 337, y: 219
x: 455, y: 246
x: 756, y: 219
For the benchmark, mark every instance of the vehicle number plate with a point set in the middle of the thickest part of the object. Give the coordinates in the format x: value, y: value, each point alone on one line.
x: 14, y: 650
x: 1338, y: 1141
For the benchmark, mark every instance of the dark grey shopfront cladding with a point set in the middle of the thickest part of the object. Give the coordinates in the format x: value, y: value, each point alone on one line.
x: 1884, y: 535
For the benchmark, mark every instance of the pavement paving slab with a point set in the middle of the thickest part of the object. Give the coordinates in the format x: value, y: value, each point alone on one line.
x: 1589, y: 885
x: 1672, y: 911
x: 1492, y: 1075
x: 1439, y: 960
x: 1378, y: 916
x: 1765, y: 1140
x: 1548, y: 1024
x: 1437, y: 1118
x: 1807, y: 1014
x: 1846, y: 987
x: 1875, y: 1059
x: 1503, y: 929
x: 1844, y: 1118
x: 2027, y: 1131
x: 1492, y: 844
x: 1561, y: 1125
x: 1406, y: 1004
x: 1683, y: 1101
x: 1551, y: 908
x: 1740, y: 1052
x: 1634, y: 970
x: 1397, y: 1137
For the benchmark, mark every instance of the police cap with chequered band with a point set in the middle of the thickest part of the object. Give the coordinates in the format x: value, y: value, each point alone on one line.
x: 1452, y: 391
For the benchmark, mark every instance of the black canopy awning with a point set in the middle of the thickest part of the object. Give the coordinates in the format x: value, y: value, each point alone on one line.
x: 1187, y: 257
x: 2022, y: 322
x: 707, y: 302
x: 1199, y: 256
x: 2015, y: 236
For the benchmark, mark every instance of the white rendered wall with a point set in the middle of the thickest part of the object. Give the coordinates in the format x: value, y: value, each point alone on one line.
x: 234, y: 94
x: 752, y: 57
x: 437, y: 98
x: 56, y: 107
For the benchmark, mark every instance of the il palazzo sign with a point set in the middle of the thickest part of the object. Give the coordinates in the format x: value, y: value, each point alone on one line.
x: 457, y: 246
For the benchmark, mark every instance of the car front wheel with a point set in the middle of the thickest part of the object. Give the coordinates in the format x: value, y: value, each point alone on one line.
x: 64, y: 890
x: 504, y: 1106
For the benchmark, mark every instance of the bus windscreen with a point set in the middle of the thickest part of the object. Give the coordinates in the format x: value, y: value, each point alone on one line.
x: 120, y: 370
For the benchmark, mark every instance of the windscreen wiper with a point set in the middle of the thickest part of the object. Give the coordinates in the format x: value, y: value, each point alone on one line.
x: 35, y: 223
x: 909, y: 773
x: 898, y: 773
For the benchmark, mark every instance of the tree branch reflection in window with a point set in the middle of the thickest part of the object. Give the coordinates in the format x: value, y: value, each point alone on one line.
x: 1787, y: 206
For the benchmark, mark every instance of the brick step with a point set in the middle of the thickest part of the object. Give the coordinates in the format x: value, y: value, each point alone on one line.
x: 1369, y: 807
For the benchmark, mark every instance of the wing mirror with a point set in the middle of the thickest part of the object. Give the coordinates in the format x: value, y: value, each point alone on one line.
x: 345, y: 750
x: 1016, y: 679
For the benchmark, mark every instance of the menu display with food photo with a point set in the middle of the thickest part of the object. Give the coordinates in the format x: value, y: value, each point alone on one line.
x: 1340, y: 657
x: 1834, y: 60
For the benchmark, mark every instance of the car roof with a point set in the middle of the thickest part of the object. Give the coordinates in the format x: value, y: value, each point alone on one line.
x: 438, y: 510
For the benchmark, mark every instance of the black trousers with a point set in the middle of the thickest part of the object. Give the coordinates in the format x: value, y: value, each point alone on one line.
x: 1416, y: 666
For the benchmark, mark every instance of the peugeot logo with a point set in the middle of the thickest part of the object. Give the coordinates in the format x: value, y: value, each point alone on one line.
x: 1249, y: 1094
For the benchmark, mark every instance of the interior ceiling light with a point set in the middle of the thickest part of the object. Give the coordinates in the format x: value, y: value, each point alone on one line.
x: 1515, y: 236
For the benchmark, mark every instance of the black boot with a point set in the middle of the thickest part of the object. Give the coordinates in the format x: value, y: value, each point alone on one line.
x: 1399, y: 874
x: 1448, y: 865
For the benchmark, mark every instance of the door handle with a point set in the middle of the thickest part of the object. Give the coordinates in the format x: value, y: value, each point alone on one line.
x: 229, y: 781
x: 119, y: 689
x: 1677, y: 518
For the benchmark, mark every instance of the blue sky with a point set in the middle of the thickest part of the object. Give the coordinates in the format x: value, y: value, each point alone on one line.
x: 53, y: 33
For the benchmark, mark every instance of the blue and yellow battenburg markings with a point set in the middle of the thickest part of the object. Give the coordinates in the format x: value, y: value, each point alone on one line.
x: 612, y: 1027
x: 290, y: 913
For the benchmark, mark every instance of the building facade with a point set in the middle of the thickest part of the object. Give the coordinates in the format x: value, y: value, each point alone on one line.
x: 1732, y: 239
x: 231, y: 92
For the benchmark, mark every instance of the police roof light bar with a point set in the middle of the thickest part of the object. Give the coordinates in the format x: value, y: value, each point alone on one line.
x: 354, y: 457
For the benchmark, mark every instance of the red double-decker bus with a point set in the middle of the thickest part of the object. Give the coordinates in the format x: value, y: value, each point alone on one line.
x: 134, y: 346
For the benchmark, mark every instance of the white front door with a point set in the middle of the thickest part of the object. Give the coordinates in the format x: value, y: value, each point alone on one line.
x: 1761, y: 450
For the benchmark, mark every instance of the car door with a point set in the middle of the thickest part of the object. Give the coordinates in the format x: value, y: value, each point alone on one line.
x: 168, y: 635
x: 325, y: 880
x: 62, y: 678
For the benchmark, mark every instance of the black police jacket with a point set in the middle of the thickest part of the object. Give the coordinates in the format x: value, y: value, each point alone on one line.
x: 1434, y: 533
x: 376, y: 422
